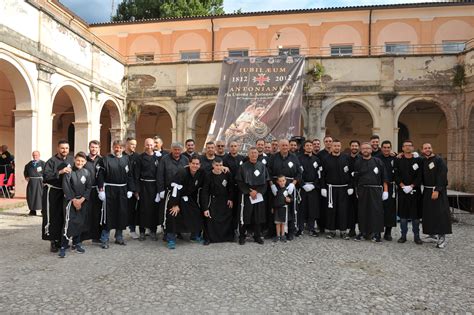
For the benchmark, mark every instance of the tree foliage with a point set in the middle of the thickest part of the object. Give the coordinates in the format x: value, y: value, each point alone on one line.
x: 130, y: 10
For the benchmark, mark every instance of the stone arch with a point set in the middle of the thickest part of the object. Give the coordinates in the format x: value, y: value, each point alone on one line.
x: 454, y: 30
x: 238, y: 39
x: 189, y: 41
x: 78, y: 99
x: 200, y: 120
x: 366, y: 105
x: 397, y: 32
x: 154, y: 120
x: 342, y: 34
x: 448, y: 113
x: 289, y: 37
x: 111, y: 123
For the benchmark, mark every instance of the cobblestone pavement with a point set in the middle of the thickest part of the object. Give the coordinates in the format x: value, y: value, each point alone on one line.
x: 309, y: 275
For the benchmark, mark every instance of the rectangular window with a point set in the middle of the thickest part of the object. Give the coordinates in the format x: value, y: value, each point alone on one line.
x: 341, y: 50
x: 239, y: 53
x: 145, y: 57
x: 291, y: 51
x: 397, y: 48
x: 450, y: 47
x: 190, y: 55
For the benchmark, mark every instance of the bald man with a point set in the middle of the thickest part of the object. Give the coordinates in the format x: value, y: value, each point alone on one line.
x: 34, y: 175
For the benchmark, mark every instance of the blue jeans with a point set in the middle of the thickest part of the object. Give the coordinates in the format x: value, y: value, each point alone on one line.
x: 171, y: 237
x: 132, y: 228
x: 415, y: 226
x: 75, y: 240
x: 104, y: 237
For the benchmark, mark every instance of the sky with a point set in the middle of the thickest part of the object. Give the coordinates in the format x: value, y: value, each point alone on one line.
x: 99, y: 11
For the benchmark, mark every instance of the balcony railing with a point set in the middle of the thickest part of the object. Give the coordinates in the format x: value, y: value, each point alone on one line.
x: 322, y: 52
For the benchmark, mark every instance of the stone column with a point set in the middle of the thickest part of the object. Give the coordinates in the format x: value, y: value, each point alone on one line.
x: 314, y: 109
x: 181, y: 108
x: 25, y: 135
x: 44, y: 116
x: 81, y: 136
x: 388, y: 128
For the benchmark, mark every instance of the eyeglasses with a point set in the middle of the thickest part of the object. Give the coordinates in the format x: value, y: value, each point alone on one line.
x: 220, y: 146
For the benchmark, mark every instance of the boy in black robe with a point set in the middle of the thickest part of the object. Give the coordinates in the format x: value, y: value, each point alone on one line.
x: 233, y: 160
x: 436, y: 214
x: 252, y: 178
x: 281, y: 202
x: 370, y: 178
x: 34, y: 176
x: 77, y: 187
x: 53, y: 195
x: 216, y: 198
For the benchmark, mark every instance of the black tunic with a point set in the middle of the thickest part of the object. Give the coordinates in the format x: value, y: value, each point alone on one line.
x: 132, y: 203
x: 280, y: 206
x: 309, y: 204
x: 353, y: 213
x: 436, y: 215
x: 252, y: 176
x: 189, y: 218
x: 408, y: 172
x: 390, y: 205
x: 206, y: 164
x: 76, y: 185
x: 369, y: 177
x: 216, y: 192
x: 34, y: 190
x: 146, y: 174
x: 336, y: 178
x: 115, y: 176
x: 94, y: 208
x: 233, y: 163
x: 6, y: 160
x: 53, y: 197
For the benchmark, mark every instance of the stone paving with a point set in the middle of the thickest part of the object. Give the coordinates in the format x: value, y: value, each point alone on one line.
x: 309, y: 275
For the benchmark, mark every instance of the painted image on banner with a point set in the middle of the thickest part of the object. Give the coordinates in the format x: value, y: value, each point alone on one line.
x: 259, y: 97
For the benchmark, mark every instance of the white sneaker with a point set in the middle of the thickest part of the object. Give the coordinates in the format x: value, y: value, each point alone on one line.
x: 430, y: 239
x: 159, y: 230
x: 134, y: 235
x: 442, y: 242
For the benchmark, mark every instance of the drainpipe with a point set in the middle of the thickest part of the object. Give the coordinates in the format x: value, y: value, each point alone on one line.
x: 212, y: 30
x: 370, y: 32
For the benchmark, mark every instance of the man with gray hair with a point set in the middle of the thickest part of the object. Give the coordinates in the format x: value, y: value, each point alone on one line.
x: 159, y: 152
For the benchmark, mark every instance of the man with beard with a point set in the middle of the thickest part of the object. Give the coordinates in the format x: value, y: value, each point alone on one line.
x: 308, y: 209
x: 374, y: 143
x: 168, y: 167
x: 371, y: 181
x: 294, y: 146
x: 353, y: 202
x: 34, y: 176
x: 159, y: 152
x: 336, y: 186
x: 436, y: 215
x: 220, y: 148
x: 252, y: 178
x: 132, y: 203
x: 115, y: 185
x: 183, y: 211
x: 275, y: 147
x: 408, y: 176
x: 190, y: 147
x: 316, y: 146
x: 322, y: 154
x: 233, y: 160
x: 389, y: 205
x: 208, y: 157
x: 93, y: 228
x: 146, y: 174
x: 287, y: 164
x: 268, y: 148
x: 53, y: 194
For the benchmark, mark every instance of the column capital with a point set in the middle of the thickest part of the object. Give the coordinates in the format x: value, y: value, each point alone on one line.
x: 45, y: 72
x: 388, y: 97
x: 24, y: 113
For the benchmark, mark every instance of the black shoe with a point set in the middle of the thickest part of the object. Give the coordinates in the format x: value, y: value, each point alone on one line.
x: 276, y: 239
x: 142, y: 237
x: 62, y: 252
x: 402, y: 240
x: 104, y: 245
x: 206, y: 242
x: 331, y: 235
x: 387, y: 237
x: 314, y: 234
x: 345, y: 236
x: 290, y: 237
x: 32, y: 212
x: 283, y: 239
x: 259, y: 240
x: 377, y: 239
x: 352, y: 233
x: 179, y: 236
x: 241, y: 241
x: 120, y: 242
x: 299, y: 233
x: 418, y: 241
x: 153, y: 236
x: 53, y: 248
x: 359, y: 237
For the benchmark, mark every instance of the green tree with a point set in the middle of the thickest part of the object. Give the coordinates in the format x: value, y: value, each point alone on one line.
x: 130, y: 10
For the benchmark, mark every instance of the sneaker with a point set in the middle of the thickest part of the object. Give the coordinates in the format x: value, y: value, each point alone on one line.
x: 120, y: 242
x: 282, y: 239
x: 171, y: 244
x: 142, y: 237
x: 62, y: 252
x: 153, y: 236
x: 241, y: 241
x: 104, y: 245
x: 418, y: 240
x: 196, y: 239
x: 345, y: 236
x: 430, y: 239
x: 134, y: 235
x: 442, y: 242
x: 376, y: 239
x: 387, y: 237
x: 314, y: 233
x: 331, y: 235
x: 402, y: 240
x: 359, y: 237
x: 276, y: 239
x: 79, y: 249
x: 206, y: 242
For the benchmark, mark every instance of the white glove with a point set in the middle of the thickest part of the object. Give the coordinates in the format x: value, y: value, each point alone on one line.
x: 157, y: 198
x: 385, y: 195
x: 290, y: 188
x: 308, y: 187
x: 102, y: 195
x: 324, y: 192
x: 162, y: 194
x: 407, y: 189
x: 350, y: 191
x: 274, y: 189
x: 129, y: 194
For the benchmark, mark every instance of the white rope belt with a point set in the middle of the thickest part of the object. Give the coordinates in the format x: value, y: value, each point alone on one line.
x: 35, y: 177
x: 242, y: 210
x: 103, y: 216
x: 147, y: 180
x: 46, y: 227
x: 66, y: 224
x: 330, y: 199
x: 167, y: 198
x: 394, y: 190
x: 373, y: 186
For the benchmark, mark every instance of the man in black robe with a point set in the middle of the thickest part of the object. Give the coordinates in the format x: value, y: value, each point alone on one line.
x: 53, y: 195
x: 352, y: 205
x: 34, y: 176
x: 190, y: 147
x: 436, y: 214
x: 322, y: 154
x: 336, y: 187
x: 94, y: 210
x: 220, y: 148
x: 408, y: 176
x: 252, y: 178
x: 275, y: 147
x: 316, y: 146
x: 132, y: 203
x: 159, y: 151
x: 287, y: 164
x: 208, y: 156
x: 116, y: 186
x: 389, y: 205
x: 6, y: 162
x: 375, y: 144
x: 216, y: 197
x: 146, y: 174
x: 184, y: 212
x: 309, y: 191
x: 370, y: 178
x: 233, y: 160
